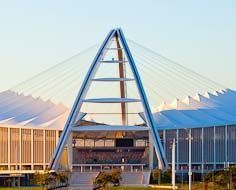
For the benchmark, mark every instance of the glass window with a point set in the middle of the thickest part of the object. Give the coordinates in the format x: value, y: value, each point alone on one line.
x: 99, y: 143
x: 79, y: 142
x: 140, y: 143
x: 89, y: 143
x: 109, y: 143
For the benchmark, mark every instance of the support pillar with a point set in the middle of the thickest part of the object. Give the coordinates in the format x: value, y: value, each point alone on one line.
x: 214, y: 158
x: 44, y: 150
x: 32, y: 149
x: 122, y: 83
x: 226, y: 144
x: 20, y: 147
x: 9, y: 148
x: 164, y: 141
x: 13, y: 182
x: 173, y: 164
x: 57, y: 136
x: 151, y: 151
x: 202, y: 152
x: 70, y: 151
x: 190, y: 160
x: 177, y: 149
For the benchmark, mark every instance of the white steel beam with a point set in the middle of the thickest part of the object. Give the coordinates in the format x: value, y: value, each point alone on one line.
x: 147, y: 111
x: 78, y: 102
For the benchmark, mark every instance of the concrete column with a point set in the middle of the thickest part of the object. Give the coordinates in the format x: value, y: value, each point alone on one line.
x: 32, y: 149
x: 202, y: 152
x: 20, y: 143
x: 13, y: 182
x: 151, y: 151
x: 164, y: 147
x: 173, y: 163
x: 190, y: 160
x: 8, y: 148
x: 164, y: 141
x: 44, y: 149
x: 57, y: 136
x: 226, y: 143
x: 214, y: 158
x: 69, y: 151
x: 177, y: 149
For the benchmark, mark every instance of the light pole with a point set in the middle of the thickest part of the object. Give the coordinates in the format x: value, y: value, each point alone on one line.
x: 226, y: 168
x: 173, y: 164
x: 189, y: 159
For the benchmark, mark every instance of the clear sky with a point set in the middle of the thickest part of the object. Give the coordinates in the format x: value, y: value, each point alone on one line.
x: 199, y: 34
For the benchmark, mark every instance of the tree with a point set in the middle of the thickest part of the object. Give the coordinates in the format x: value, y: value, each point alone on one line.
x: 104, y: 179
x: 115, y: 177
x: 156, y: 175
x: 166, y: 176
x: 63, y: 177
x: 43, y: 179
x: 51, y: 179
x: 223, y: 178
x: 233, y: 177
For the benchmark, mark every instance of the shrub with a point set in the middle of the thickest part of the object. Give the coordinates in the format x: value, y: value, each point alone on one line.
x: 104, y: 179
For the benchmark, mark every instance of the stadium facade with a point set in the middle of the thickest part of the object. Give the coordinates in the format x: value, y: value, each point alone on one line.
x: 28, y: 148
x: 127, y: 136
x: 31, y: 149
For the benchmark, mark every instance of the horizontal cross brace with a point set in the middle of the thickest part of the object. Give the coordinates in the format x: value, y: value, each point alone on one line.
x: 113, y: 61
x: 112, y: 79
x: 111, y: 100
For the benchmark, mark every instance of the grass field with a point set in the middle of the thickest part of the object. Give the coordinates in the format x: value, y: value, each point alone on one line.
x: 20, y: 188
x: 130, y: 188
x: 197, y: 186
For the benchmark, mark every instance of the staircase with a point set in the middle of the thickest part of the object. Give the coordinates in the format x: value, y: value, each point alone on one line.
x: 135, y: 178
x: 83, y: 180
x: 146, y: 177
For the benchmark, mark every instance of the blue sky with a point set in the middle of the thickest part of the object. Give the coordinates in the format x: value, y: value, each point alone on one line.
x: 35, y: 35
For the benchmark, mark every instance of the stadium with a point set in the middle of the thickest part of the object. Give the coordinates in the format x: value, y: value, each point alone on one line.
x: 120, y: 118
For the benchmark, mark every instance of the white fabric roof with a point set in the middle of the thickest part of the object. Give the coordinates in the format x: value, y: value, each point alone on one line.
x: 211, y: 109
x: 218, y: 108
x: 19, y: 110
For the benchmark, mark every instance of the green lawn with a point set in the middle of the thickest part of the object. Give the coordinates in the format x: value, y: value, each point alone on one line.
x: 197, y: 186
x: 130, y: 188
x: 20, y: 188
